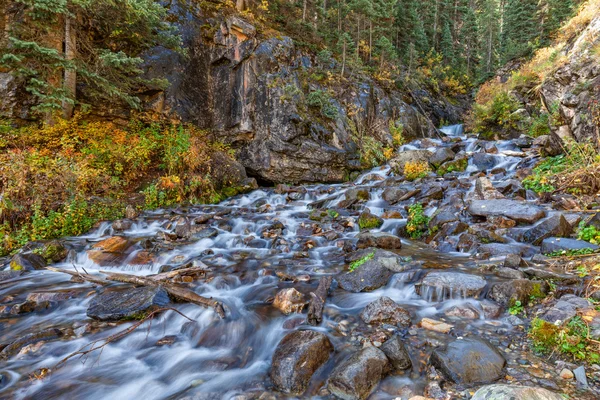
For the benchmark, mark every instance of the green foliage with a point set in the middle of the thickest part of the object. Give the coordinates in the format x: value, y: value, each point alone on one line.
x: 540, y: 126
x: 571, y: 339
x: 321, y: 100
x: 417, y: 222
x: 516, y: 309
x: 499, y: 113
x: 371, y: 151
x: 570, y: 253
x: 110, y: 37
x: 416, y: 170
x: 540, y: 180
x: 369, y: 221
x: 361, y: 261
x: 458, y: 165
x: 59, y: 180
x: 397, y: 130
x: 588, y: 233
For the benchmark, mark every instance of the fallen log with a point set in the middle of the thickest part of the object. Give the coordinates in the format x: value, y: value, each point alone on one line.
x: 180, y: 293
x: 317, y: 301
x: 191, y: 271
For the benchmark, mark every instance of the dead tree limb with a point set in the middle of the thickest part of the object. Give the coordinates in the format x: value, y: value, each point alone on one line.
x: 317, y: 301
x: 85, y: 277
x: 177, y: 292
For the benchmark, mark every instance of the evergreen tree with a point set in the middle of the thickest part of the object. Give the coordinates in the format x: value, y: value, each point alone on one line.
x: 520, y: 28
x: 59, y: 45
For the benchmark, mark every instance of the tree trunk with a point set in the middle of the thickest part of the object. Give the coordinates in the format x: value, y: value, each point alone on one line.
x: 317, y: 301
x: 343, y: 56
x: 357, y: 36
x: 370, y: 39
x: 70, y: 78
x: 435, y: 22
x: 304, y: 4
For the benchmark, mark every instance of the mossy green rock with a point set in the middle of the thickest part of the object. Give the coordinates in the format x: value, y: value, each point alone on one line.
x: 27, y: 262
x: 458, y: 165
x: 53, y: 251
x: 366, y: 220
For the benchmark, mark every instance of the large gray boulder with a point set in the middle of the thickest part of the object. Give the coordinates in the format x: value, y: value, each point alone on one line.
x: 469, y: 362
x: 555, y: 226
x: 514, y: 392
x: 135, y: 303
x: 381, y: 240
x: 396, y: 352
x: 441, y: 285
x: 518, y: 210
x: 356, y: 377
x: 296, y: 358
x: 379, y: 266
x: 409, y: 156
x: 554, y: 244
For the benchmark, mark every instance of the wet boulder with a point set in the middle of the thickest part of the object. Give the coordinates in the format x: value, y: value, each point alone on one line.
x: 441, y: 155
x: 516, y: 210
x: 518, y: 290
x: 356, y: 377
x: 441, y: 285
x: 111, y: 251
x: 289, y: 301
x: 134, y: 303
x: 366, y: 220
x: 10, y: 274
x: 370, y: 270
x: 554, y: 244
x: 29, y: 339
x: 565, y: 309
x: 483, y: 161
x: 396, y: 352
x: 27, y: 262
x: 555, y: 226
x: 459, y: 164
x: 357, y: 194
x: 409, y: 156
x: 385, y: 311
x: 485, y: 190
x: 296, y: 358
x: 514, y: 392
x: 379, y: 240
x: 469, y: 362
x: 121, y: 225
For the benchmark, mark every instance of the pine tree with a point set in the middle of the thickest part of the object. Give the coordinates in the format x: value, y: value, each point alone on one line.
x: 520, y: 28
x: 56, y: 46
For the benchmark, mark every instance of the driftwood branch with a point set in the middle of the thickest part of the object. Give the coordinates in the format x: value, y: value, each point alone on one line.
x: 191, y: 271
x: 175, y: 291
x: 317, y: 301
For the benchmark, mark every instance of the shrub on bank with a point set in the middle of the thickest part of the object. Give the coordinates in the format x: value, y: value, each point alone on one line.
x: 59, y: 180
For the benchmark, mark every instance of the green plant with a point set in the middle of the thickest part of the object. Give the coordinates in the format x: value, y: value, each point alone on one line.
x: 417, y: 221
x: 571, y: 338
x: 588, y: 233
x: 458, y: 165
x: 516, y: 309
x: 540, y: 125
x: 333, y: 214
x: 570, y: 253
x: 397, y: 131
x: 416, y: 170
x: 322, y: 100
x: 361, y: 261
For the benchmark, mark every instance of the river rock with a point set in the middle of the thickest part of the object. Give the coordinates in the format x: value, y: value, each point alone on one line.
x: 565, y: 309
x: 122, y: 225
x: 514, y: 392
x: 395, y: 194
x: 373, y: 273
x: 483, y: 161
x: 357, y: 194
x: 356, y: 377
x: 27, y: 262
x: 289, y: 301
x: 469, y: 361
x: 396, y: 352
x: 516, y: 210
x: 555, y: 226
x: 53, y: 251
x: 10, y: 274
x: 366, y: 220
x: 381, y: 240
x: 28, y: 339
x: 385, y: 311
x: 135, y: 303
x: 112, y: 251
x: 485, y: 190
x: 554, y: 244
x: 518, y: 290
x: 296, y: 358
x: 440, y: 156
x: 441, y: 285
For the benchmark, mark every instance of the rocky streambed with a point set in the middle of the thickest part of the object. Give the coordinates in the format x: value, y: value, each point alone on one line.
x: 389, y: 317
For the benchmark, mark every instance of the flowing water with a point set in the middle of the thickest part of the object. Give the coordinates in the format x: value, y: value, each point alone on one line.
x: 210, y: 357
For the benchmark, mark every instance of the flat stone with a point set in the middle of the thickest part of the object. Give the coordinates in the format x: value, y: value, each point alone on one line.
x: 135, y: 303
x: 469, y: 361
x: 296, y: 358
x: 372, y: 274
x: 514, y: 392
x: 436, y: 326
x: 27, y: 262
x: 356, y: 377
x: 554, y: 244
x: 516, y: 210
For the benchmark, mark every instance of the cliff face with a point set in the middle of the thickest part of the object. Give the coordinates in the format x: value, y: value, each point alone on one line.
x: 252, y: 91
x: 575, y: 86
x: 252, y: 88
